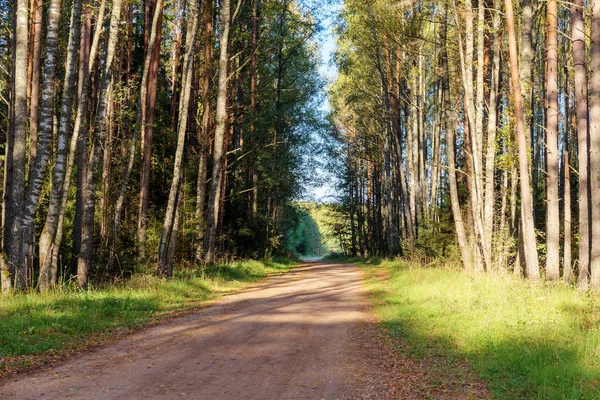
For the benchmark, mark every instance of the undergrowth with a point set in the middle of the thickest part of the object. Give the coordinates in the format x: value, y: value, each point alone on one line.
x: 41, y: 323
x: 527, y: 340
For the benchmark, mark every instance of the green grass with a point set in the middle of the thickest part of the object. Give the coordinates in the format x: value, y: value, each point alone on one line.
x: 526, y: 340
x: 33, y: 323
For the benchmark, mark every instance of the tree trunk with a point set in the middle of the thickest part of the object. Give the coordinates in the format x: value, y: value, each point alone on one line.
x: 253, y: 72
x: 583, y: 140
x: 147, y: 108
x: 552, y: 156
x: 463, y: 243
x: 490, y: 157
x: 528, y: 232
x: 204, y: 134
x: 220, y: 127
x: 12, y: 275
x: 21, y: 253
x: 85, y: 258
x: 186, y: 83
x: 47, y: 278
x: 567, y: 263
x: 594, y: 118
x: 34, y: 102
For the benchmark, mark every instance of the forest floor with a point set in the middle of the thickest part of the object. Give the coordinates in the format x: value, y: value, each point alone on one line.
x: 308, y: 334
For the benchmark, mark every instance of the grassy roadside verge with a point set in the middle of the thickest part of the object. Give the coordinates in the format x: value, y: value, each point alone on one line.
x: 526, y: 340
x: 37, y: 328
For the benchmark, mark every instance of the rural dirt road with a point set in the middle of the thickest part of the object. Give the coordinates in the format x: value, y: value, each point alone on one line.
x: 308, y: 334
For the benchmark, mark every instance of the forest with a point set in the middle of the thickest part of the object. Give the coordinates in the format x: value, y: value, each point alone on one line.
x: 158, y: 156
x: 475, y: 123
x: 184, y: 132
x: 139, y: 133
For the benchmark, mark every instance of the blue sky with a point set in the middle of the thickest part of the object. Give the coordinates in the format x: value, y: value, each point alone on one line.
x: 329, y: 72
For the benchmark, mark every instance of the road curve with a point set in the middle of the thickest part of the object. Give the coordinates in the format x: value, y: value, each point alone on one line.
x: 288, y: 337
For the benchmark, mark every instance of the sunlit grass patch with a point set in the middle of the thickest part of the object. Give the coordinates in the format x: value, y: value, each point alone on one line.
x: 527, y: 340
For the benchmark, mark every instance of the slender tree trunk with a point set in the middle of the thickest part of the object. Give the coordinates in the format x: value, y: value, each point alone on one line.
x: 12, y: 275
x: 253, y: 72
x: 85, y: 258
x: 148, y: 90
x: 527, y: 54
x: 47, y: 278
x: 82, y: 130
x: 528, y: 233
x: 552, y: 156
x: 463, y: 242
x: 176, y: 52
x: 220, y: 127
x: 578, y: 36
x: 21, y: 254
x: 36, y: 53
x: 567, y: 262
x: 204, y: 134
x: 488, y: 214
x: 594, y: 118
x: 186, y: 83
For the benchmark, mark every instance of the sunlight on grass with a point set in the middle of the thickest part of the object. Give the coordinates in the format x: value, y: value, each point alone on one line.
x: 33, y: 323
x: 529, y: 341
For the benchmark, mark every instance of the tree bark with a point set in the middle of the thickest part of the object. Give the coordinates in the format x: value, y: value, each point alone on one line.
x: 186, y: 83
x: 552, y: 156
x: 220, y: 127
x: 204, y: 133
x: 47, y: 277
x: 463, y: 242
x: 594, y: 118
x: 34, y: 102
x: 528, y: 231
x: 85, y: 258
x: 21, y: 250
x: 147, y: 109
x: 13, y: 276
x: 578, y: 36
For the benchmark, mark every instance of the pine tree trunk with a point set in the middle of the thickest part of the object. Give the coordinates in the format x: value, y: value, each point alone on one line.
x: 552, y: 156
x: 204, y: 134
x: 47, y: 278
x: 214, y: 200
x: 21, y: 250
x: 147, y: 108
x: 594, y: 118
x: 12, y: 275
x: 186, y: 88
x: 85, y: 258
x: 567, y: 262
x: 35, y: 63
x: 490, y: 158
x: 463, y: 242
x: 583, y: 140
x: 528, y: 232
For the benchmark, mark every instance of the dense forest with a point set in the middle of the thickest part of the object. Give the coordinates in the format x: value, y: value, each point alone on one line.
x: 152, y: 133
x: 471, y: 119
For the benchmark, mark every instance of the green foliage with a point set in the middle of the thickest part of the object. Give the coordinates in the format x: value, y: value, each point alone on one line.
x: 527, y: 340
x: 301, y: 232
x: 33, y: 323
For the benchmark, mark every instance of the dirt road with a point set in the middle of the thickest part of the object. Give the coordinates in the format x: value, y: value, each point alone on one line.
x: 288, y: 337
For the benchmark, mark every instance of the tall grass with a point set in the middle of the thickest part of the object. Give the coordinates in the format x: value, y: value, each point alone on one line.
x: 34, y: 323
x: 527, y: 340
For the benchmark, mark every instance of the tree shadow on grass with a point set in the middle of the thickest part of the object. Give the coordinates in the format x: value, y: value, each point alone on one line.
x: 515, y: 367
